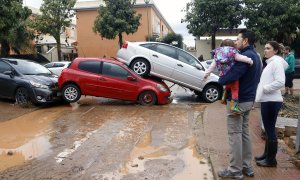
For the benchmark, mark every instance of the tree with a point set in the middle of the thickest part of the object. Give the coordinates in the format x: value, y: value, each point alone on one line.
x: 273, y: 19
x: 208, y: 16
x: 14, y: 33
x: 173, y: 39
x: 56, y: 16
x: 116, y: 17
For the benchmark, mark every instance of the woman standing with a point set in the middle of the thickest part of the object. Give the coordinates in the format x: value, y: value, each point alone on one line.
x: 269, y: 95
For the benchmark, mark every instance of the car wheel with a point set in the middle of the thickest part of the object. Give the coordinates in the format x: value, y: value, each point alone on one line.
x: 71, y: 93
x: 211, y: 93
x: 22, y: 97
x: 147, y: 98
x: 140, y: 67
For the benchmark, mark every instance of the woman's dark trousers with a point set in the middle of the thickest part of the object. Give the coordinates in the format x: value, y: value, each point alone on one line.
x: 269, y: 112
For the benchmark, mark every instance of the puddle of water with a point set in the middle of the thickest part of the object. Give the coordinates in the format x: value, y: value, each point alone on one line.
x: 26, y: 136
x: 195, y: 166
x: 30, y: 150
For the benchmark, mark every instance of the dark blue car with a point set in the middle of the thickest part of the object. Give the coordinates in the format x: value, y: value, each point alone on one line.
x: 26, y: 81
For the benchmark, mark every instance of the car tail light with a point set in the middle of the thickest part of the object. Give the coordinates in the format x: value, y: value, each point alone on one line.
x: 125, y: 45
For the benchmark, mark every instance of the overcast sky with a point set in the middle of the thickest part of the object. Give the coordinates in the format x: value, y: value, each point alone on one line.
x: 171, y: 10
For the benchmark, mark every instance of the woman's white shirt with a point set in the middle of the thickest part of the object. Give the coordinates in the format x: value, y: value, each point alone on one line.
x: 272, y: 80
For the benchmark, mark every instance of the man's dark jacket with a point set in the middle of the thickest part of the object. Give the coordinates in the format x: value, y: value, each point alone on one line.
x: 247, y: 75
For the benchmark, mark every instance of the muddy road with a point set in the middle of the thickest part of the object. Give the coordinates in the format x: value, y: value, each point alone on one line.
x: 99, y: 138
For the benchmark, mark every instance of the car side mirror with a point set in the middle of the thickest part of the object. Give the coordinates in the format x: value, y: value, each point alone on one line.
x: 198, y: 66
x: 131, y: 78
x: 10, y: 73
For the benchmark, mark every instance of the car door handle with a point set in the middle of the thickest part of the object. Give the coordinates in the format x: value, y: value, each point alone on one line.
x: 154, y: 55
x: 180, y: 65
x: 102, y: 79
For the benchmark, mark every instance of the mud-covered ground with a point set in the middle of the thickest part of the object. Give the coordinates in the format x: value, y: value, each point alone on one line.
x: 102, y: 139
x: 290, y: 107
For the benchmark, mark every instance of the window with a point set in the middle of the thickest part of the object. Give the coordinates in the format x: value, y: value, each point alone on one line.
x: 166, y: 50
x: 4, y: 67
x: 59, y: 65
x: 90, y: 66
x: 114, y: 70
x: 186, y: 58
x: 149, y: 46
x: 49, y: 65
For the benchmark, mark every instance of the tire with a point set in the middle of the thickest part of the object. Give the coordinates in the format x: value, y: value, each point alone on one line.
x: 22, y: 97
x: 211, y: 93
x: 140, y: 67
x: 71, y: 93
x: 147, y: 98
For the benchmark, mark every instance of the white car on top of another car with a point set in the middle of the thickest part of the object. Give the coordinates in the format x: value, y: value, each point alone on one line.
x: 57, y: 67
x: 172, y: 64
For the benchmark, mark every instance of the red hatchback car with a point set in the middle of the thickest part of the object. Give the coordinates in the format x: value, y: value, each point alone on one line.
x: 110, y: 79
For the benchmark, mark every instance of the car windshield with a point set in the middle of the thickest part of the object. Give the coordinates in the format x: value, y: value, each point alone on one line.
x: 29, y: 68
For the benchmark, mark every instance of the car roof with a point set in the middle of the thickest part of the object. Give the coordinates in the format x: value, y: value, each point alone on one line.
x: 64, y: 62
x: 17, y: 60
x: 99, y: 59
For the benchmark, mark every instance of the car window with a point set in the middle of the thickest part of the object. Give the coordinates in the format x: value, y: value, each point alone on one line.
x: 90, y: 66
x: 29, y: 67
x: 4, y: 67
x: 49, y: 65
x: 187, y: 58
x: 166, y: 50
x: 114, y: 70
x: 297, y: 61
x: 149, y: 46
x: 59, y: 65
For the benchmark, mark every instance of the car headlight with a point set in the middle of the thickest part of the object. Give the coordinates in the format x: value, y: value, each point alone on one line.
x: 162, y: 88
x: 38, y: 85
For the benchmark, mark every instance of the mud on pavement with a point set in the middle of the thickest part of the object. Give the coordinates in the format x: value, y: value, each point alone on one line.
x: 103, y: 139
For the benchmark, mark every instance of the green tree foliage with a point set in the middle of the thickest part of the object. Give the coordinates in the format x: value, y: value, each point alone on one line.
x: 206, y: 17
x: 14, y: 33
x: 116, y: 17
x: 273, y: 19
x: 56, y: 16
x: 173, y: 39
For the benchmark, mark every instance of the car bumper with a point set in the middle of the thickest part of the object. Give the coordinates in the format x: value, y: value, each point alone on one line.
x: 40, y: 95
x: 164, y: 98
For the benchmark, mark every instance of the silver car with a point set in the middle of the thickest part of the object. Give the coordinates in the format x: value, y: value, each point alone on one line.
x: 172, y: 64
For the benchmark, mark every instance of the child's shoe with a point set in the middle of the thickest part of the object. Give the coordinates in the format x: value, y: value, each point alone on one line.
x: 235, y: 109
x: 223, y: 100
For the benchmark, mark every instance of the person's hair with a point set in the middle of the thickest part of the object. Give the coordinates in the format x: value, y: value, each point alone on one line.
x: 287, y: 48
x: 275, y: 46
x: 227, y: 42
x: 250, y: 35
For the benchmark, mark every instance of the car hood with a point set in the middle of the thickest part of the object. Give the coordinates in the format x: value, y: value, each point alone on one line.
x: 154, y: 81
x: 43, y: 79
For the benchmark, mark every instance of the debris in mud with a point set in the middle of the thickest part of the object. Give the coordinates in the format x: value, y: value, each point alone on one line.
x: 140, y: 157
x: 134, y: 165
x: 290, y: 107
x: 10, y: 153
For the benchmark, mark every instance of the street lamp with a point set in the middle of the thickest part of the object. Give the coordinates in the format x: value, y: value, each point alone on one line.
x: 147, y: 2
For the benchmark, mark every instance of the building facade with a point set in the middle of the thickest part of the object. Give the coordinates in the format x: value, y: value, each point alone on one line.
x: 90, y: 44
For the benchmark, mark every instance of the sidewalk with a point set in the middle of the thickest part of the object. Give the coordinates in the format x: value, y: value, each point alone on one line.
x: 215, y: 146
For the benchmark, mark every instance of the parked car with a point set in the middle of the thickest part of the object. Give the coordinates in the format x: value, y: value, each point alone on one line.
x: 57, y: 67
x: 172, y: 64
x: 110, y: 79
x: 297, y: 68
x: 207, y: 63
x: 26, y: 81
